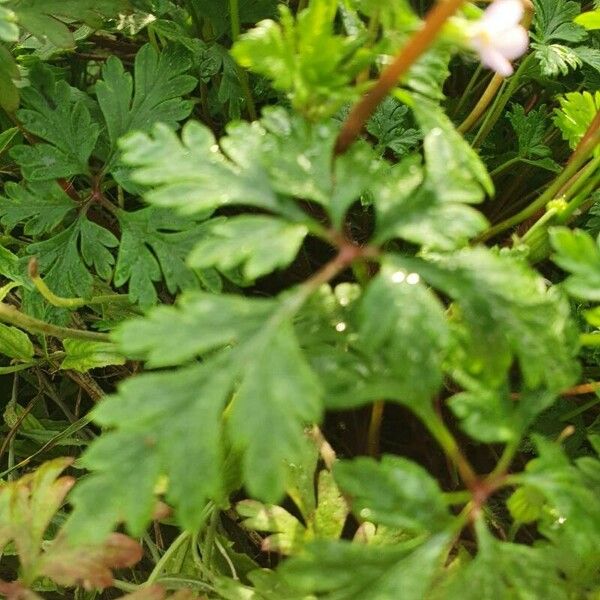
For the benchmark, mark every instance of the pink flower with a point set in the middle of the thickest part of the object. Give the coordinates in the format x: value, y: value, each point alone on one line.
x: 498, y: 37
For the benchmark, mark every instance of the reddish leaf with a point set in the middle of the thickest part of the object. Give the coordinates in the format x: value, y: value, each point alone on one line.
x: 14, y: 590
x: 89, y: 566
x: 28, y: 505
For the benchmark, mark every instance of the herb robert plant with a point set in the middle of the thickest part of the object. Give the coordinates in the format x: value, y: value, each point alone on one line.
x: 298, y: 300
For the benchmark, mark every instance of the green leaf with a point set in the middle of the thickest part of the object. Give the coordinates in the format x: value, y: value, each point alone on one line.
x: 505, y: 570
x: 15, y: 344
x: 133, y: 477
x: 280, y: 392
x: 256, y: 164
x: 250, y: 11
x: 578, y: 254
x: 40, y: 207
x: 160, y: 81
x: 192, y: 175
x: 553, y: 20
x: 65, y: 124
x: 162, y: 337
x: 346, y: 571
x: 454, y: 170
x: 255, y: 355
x: 427, y: 206
x: 39, y: 17
x: 395, y: 492
x: 154, y: 246
x: 508, y: 312
x: 83, y: 355
x: 402, y: 324
x: 182, y: 410
x: 575, y: 115
x: 288, y: 535
x: 492, y: 415
x: 9, y: 74
x: 332, y: 509
x: 590, y: 20
x: 526, y: 504
x: 9, y: 30
x: 408, y: 207
x: 530, y: 129
x: 65, y: 259
x: 298, y: 159
x: 6, y: 138
x: 572, y: 513
x: 589, y: 56
x: 429, y: 72
x: 260, y: 244
x: 556, y: 59
x: 303, y: 57
x: 391, y: 125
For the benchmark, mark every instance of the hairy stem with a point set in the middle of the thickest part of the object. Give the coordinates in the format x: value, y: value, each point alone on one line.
x: 160, y: 565
x: 581, y: 154
x: 446, y: 440
x: 486, y: 99
x: 70, y: 303
x: 416, y: 46
x: 374, y: 433
x: 9, y: 314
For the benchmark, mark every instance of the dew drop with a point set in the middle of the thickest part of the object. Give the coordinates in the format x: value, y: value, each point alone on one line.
x: 398, y: 276
x: 413, y: 278
x: 341, y: 326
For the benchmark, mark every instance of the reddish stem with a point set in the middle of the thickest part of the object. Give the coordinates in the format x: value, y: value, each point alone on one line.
x: 416, y: 46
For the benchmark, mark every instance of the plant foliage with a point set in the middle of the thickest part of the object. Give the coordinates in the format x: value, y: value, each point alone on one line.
x: 278, y: 365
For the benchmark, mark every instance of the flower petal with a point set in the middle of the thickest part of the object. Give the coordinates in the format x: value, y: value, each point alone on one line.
x: 502, y: 15
x: 512, y: 43
x: 490, y: 57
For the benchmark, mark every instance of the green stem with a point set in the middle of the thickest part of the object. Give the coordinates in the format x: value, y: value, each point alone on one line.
x: 539, y: 229
x: 9, y: 314
x: 580, y: 409
x: 487, y: 97
x: 234, y: 15
x: 585, y: 185
x: 504, y: 166
x: 17, y: 368
x: 70, y: 303
x: 500, y: 103
x: 468, y: 90
x: 125, y: 586
x: 578, y: 159
x: 211, y: 532
x: 446, y: 440
x: 151, y: 548
x: 462, y: 497
x: 176, y: 583
x: 505, y: 460
x: 537, y: 237
x: 416, y: 46
x: 160, y: 565
x: 80, y: 424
